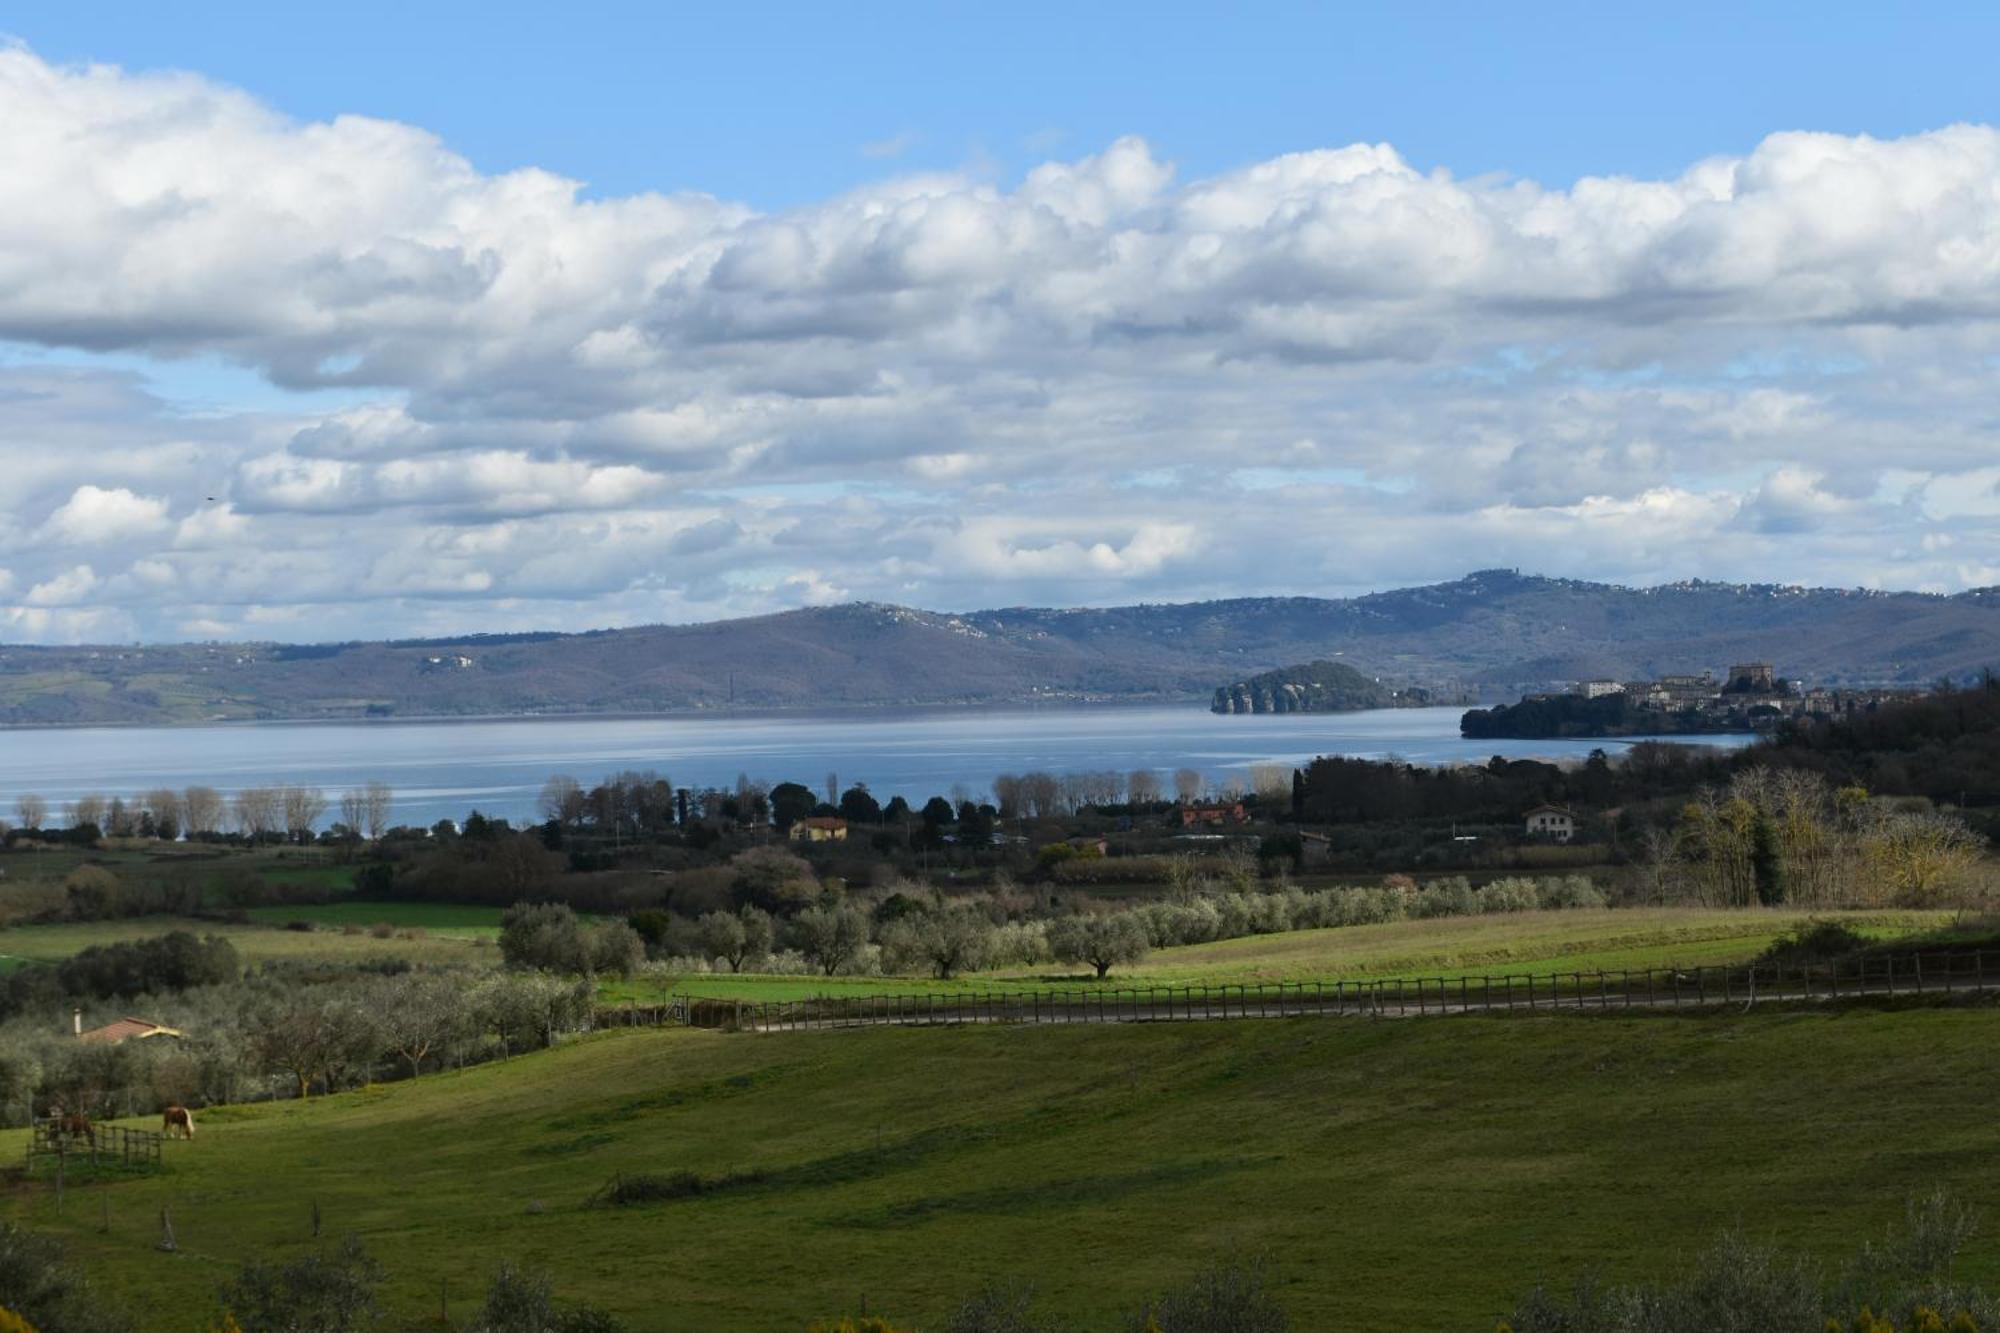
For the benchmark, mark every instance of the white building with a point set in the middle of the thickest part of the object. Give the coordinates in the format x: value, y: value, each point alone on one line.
x: 1551, y: 821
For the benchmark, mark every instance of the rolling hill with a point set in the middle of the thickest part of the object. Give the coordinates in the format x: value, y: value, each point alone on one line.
x: 1493, y: 633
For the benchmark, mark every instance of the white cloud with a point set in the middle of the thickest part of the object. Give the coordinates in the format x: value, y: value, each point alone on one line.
x: 936, y: 388
x: 94, y: 515
x: 64, y: 589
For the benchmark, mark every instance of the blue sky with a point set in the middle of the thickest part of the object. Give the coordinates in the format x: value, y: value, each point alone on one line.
x: 370, y: 319
x: 777, y: 104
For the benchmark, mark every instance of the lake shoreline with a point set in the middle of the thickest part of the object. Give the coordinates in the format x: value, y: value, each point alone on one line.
x: 442, y: 768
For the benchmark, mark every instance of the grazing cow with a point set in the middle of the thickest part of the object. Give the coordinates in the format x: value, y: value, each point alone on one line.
x: 177, y: 1121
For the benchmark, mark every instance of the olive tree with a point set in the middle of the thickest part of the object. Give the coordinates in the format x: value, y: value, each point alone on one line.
x: 830, y: 937
x: 946, y: 941
x: 1101, y: 941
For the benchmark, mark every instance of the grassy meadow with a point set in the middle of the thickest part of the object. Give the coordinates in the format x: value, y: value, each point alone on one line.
x: 1521, y: 943
x: 1398, y: 1174
x: 266, y: 941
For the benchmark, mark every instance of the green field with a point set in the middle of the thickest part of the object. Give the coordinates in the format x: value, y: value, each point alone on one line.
x: 1522, y: 943
x: 1399, y: 1175
x: 255, y: 943
x: 463, y: 920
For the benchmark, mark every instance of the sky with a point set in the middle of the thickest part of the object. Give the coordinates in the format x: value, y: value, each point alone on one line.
x: 364, y: 321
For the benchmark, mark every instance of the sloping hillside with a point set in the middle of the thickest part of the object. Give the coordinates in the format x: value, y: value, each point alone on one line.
x: 1493, y: 631
x: 905, y: 1168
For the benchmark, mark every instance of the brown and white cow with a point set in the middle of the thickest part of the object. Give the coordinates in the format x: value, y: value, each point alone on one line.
x: 177, y: 1121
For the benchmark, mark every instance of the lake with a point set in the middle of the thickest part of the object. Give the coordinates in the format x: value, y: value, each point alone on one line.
x: 442, y: 769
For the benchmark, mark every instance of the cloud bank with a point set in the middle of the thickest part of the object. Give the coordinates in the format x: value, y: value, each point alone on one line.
x: 503, y: 403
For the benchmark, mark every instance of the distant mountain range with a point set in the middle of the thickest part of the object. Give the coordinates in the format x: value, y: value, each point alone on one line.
x: 1495, y: 633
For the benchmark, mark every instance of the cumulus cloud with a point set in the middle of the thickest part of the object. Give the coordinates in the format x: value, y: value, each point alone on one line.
x: 1332, y: 370
x: 93, y: 514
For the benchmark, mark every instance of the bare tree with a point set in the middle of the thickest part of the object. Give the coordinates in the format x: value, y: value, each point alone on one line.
x: 1187, y: 785
x: 353, y: 811
x: 562, y: 800
x: 256, y: 811
x: 201, y: 810
x: 33, y: 810
x: 1142, y: 787
x: 1007, y: 795
x: 88, y: 809
x: 1271, y: 782
x: 302, y: 807
x: 378, y: 800
x: 833, y: 789
x: 163, y: 804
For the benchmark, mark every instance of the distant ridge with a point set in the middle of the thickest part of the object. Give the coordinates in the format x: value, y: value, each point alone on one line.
x: 1495, y: 632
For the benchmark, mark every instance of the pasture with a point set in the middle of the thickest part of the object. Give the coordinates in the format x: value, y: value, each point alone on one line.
x: 1522, y: 943
x: 1398, y: 1174
x: 256, y: 942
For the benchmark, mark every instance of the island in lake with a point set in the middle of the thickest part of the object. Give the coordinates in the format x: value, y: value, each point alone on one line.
x: 1318, y: 687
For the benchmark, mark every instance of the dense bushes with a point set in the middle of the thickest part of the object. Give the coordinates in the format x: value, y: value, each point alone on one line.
x: 550, y: 937
x: 173, y: 961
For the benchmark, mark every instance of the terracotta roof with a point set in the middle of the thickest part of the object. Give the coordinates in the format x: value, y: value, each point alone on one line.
x: 127, y: 1029
x: 1549, y: 810
x: 823, y: 821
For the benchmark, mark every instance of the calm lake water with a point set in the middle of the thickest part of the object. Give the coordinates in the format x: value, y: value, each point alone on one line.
x: 443, y: 769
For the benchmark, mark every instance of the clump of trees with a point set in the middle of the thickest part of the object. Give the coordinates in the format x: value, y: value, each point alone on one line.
x: 1787, y: 835
x: 550, y: 937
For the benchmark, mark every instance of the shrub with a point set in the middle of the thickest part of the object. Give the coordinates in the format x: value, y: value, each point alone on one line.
x: 1001, y: 1308
x: 1510, y: 895
x: 92, y: 893
x: 1223, y: 1299
x: 642, y: 1187
x: 38, y: 1286
x: 1815, y: 942
x: 326, y: 1293
x: 1570, y: 893
x: 522, y: 1301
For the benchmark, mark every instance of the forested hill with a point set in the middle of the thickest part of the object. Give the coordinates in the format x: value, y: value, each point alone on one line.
x: 1495, y: 632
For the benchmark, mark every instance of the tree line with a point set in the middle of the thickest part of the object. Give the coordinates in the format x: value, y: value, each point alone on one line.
x: 291, y: 812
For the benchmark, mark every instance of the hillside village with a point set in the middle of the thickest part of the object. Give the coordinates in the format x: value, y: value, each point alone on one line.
x: 1751, y: 697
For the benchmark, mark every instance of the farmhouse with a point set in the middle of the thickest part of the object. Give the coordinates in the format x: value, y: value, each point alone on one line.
x: 820, y: 828
x: 1234, y: 813
x: 1551, y: 821
x: 125, y: 1029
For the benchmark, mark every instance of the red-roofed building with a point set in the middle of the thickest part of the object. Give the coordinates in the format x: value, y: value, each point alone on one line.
x: 125, y: 1029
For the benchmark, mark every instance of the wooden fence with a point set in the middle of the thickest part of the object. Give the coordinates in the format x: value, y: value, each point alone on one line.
x: 105, y: 1145
x: 1940, y: 974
